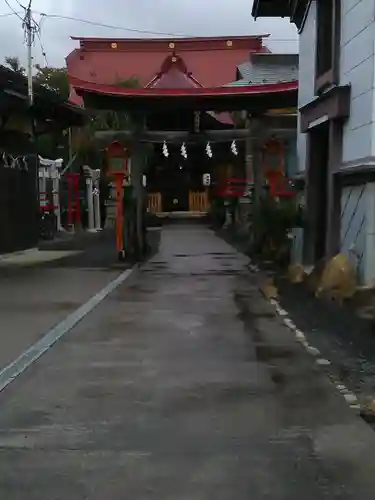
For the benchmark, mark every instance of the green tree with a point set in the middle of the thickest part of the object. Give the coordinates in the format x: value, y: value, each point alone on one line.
x: 83, y: 139
x: 84, y: 142
x: 14, y: 64
x: 48, y: 76
x: 115, y: 120
x: 53, y: 78
x: 128, y: 83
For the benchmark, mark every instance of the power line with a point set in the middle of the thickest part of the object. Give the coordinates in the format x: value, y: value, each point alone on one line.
x: 14, y: 12
x: 133, y: 30
x: 122, y: 28
x: 109, y: 26
x: 22, y: 6
x: 44, y: 54
x: 9, y: 14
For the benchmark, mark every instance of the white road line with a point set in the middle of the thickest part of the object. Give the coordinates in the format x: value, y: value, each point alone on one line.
x: 300, y: 335
x: 289, y: 323
x: 28, y: 357
x: 349, y: 396
x: 323, y: 362
x: 313, y: 351
x: 342, y: 388
x: 281, y: 311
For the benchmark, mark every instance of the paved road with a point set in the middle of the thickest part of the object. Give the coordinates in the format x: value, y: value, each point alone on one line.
x: 40, y: 289
x: 182, y: 385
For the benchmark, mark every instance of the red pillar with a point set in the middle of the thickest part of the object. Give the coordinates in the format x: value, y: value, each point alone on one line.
x: 119, y: 180
x: 74, y: 208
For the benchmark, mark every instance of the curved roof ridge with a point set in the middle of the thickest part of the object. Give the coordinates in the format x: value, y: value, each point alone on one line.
x: 180, y: 38
x: 182, y: 77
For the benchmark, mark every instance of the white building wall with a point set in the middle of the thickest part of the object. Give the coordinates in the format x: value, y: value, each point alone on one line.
x: 307, y: 47
x: 357, y: 69
x: 306, y: 76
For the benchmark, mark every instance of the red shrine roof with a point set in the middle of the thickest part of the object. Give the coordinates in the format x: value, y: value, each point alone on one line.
x: 188, y: 72
x: 218, y: 98
x: 82, y: 86
x: 201, y: 61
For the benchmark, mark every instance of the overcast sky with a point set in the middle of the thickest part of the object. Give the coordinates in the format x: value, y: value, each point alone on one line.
x: 178, y: 17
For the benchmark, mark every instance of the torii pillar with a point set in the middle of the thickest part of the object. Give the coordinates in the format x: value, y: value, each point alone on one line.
x: 118, y: 156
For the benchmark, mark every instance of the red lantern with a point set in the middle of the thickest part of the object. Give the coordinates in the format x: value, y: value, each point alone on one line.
x: 117, y: 156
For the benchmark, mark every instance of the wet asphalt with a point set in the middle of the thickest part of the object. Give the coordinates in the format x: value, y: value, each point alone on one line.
x: 183, y: 384
x: 347, y: 340
x: 35, y: 297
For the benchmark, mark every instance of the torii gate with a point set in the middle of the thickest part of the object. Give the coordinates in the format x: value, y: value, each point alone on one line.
x: 50, y: 169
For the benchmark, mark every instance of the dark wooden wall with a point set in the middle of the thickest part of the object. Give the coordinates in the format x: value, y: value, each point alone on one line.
x: 19, y: 216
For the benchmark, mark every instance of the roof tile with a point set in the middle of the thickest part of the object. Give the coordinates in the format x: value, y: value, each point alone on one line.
x: 268, y: 68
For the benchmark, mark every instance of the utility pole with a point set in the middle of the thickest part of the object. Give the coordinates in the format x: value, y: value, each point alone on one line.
x: 29, y: 41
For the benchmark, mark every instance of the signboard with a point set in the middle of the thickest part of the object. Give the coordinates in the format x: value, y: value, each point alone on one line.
x: 206, y: 178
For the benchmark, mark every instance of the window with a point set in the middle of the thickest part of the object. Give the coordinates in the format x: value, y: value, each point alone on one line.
x: 324, y: 37
x: 328, y: 43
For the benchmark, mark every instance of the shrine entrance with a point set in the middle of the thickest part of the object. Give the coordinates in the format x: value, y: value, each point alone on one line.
x: 169, y: 179
x: 175, y: 182
x: 176, y: 179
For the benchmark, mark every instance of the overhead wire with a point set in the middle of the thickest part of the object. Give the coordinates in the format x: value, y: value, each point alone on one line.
x: 9, y: 14
x: 35, y: 26
x: 45, y: 16
x: 14, y: 12
x: 108, y: 26
x: 44, y: 54
x: 132, y: 30
x: 22, y: 6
